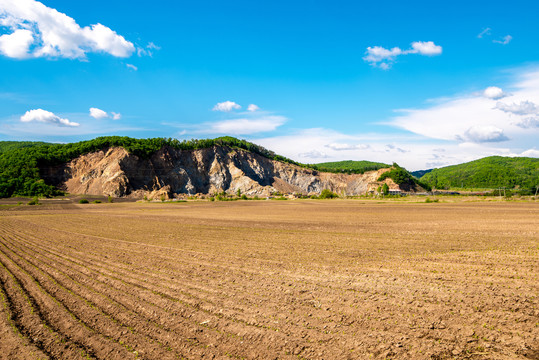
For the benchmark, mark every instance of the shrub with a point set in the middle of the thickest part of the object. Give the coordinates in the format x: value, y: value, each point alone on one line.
x: 244, y: 197
x: 429, y: 200
x: 96, y: 202
x: 328, y: 194
x: 83, y: 201
x: 212, y: 198
x: 34, y: 201
x: 110, y: 199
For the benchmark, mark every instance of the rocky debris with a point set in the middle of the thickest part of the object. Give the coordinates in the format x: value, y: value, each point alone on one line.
x: 170, y: 173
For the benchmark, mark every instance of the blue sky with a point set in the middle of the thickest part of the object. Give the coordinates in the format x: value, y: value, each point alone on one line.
x: 419, y: 83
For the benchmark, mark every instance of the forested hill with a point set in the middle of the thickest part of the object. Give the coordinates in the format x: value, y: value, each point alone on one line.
x: 350, y: 166
x: 490, y: 172
x: 14, y: 145
x: 19, y: 167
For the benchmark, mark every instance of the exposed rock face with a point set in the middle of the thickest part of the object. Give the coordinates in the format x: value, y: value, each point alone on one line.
x: 170, y: 172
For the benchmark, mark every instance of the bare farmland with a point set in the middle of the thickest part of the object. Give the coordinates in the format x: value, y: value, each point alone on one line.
x: 270, y: 280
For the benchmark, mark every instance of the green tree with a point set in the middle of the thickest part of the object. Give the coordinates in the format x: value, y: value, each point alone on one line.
x: 385, y: 189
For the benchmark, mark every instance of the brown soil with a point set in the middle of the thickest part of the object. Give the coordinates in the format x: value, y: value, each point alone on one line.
x: 270, y: 280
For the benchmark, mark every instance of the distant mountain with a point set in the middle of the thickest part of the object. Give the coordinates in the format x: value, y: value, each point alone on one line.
x: 13, y: 145
x: 490, y: 172
x: 419, y: 173
x: 350, y: 166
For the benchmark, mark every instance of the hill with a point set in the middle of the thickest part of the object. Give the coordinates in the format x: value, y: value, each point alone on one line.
x: 6, y: 146
x: 123, y: 166
x: 350, y: 166
x: 420, y: 173
x: 490, y: 172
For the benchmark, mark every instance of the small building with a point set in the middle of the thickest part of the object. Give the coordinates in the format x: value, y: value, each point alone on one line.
x: 395, y: 192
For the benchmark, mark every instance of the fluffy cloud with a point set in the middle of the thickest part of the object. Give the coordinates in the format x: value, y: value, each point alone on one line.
x: 246, y: 126
x: 383, y: 58
x: 16, y: 45
x: 226, y: 106
x: 48, y: 117
x: 480, y: 134
x: 252, y: 108
x: 98, y: 113
x: 377, y: 54
x: 101, y: 114
x: 494, y: 92
x: 525, y: 114
x: 523, y: 108
x: 427, y: 48
x: 40, y: 31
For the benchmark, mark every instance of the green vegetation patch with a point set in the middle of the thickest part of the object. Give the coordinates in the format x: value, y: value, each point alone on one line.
x: 349, y: 166
x: 6, y: 146
x: 488, y: 173
x: 402, y: 177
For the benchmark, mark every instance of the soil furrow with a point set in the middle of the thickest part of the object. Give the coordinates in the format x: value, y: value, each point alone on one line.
x: 216, y: 324
x: 133, y: 321
x: 30, y: 317
x: 61, y: 315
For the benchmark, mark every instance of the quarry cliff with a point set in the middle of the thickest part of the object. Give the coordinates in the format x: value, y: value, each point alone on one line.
x: 171, y: 172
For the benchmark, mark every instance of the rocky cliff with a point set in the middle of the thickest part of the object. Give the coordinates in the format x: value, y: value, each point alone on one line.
x: 171, y: 173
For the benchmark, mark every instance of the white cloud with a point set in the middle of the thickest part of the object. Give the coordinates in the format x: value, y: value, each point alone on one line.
x: 54, y: 34
x: 486, y: 31
x: 226, y: 106
x: 346, y: 147
x: 16, y: 44
x: 523, y: 108
x: 101, y: 114
x: 480, y: 134
x: 98, y: 113
x: 132, y: 67
x: 48, y: 117
x: 252, y: 108
x: 383, y: 58
x: 427, y: 48
x: 528, y: 123
x: 504, y: 41
x: 530, y: 153
x: 494, y: 92
x: 246, y: 126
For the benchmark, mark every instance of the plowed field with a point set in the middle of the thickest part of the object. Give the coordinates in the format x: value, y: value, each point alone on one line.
x: 270, y: 280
